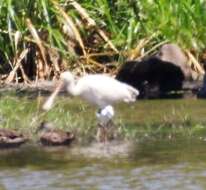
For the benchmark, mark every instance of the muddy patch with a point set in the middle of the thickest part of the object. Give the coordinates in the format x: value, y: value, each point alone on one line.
x: 104, y: 150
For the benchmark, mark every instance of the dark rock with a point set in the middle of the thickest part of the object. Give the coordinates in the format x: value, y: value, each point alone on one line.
x: 11, y: 139
x: 173, y: 53
x: 54, y: 137
x: 202, y: 92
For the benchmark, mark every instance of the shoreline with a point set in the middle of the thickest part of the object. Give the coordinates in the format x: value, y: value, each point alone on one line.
x: 190, y: 89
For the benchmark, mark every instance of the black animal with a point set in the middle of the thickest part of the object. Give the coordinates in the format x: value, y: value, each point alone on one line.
x: 153, y: 77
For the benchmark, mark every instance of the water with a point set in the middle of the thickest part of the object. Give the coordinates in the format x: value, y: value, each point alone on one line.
x: 150, y: 164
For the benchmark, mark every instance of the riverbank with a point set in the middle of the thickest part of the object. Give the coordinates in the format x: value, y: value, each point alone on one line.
x: 189, y: 88
x: 145, y: 120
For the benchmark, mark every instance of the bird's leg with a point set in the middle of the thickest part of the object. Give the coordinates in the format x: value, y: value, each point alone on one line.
x: 102, y: 133
x: 108, y: 130
x: 99, y: 132
x: 105, y: 134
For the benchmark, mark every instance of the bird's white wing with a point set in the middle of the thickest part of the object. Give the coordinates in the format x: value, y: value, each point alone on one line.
x: 102, y: 90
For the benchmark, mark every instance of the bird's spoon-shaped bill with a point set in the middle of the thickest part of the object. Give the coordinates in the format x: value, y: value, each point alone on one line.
x: 48, y: 104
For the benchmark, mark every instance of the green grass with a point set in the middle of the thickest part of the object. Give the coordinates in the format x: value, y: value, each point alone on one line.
x: 145, y: 120
x: 129, y: 21
x: 24, y: 114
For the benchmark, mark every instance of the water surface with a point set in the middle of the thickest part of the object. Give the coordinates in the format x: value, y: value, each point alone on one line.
x: 156, y: 165
x: 174, y: 162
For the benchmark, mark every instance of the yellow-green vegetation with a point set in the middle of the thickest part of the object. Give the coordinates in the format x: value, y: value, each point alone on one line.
x: 144, y: 120
x: 23, y: 113
x: 40, y: 38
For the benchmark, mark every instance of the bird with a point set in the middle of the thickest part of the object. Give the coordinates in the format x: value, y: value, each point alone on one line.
x: 99, y: 90
x: 49, y: 136
x: 11, y: 139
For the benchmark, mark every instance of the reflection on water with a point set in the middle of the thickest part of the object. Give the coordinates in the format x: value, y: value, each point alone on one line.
x: 152, y: 165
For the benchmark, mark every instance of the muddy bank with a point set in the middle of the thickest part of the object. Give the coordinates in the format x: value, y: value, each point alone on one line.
x: 189, y: 89
x: 94, y: 150
x: 41, y: 86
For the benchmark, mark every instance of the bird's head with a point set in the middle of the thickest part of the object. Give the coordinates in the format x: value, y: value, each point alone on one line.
x: 67, y: 77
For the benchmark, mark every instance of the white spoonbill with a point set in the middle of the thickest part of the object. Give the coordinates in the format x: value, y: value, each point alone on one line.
x: 99, y: 90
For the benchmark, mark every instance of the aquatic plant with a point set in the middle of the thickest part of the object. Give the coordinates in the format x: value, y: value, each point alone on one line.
x: 44, y: 37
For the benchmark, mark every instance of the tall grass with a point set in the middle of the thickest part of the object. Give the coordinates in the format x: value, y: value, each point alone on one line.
x: 62, y: 31
x: 129, y: 21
